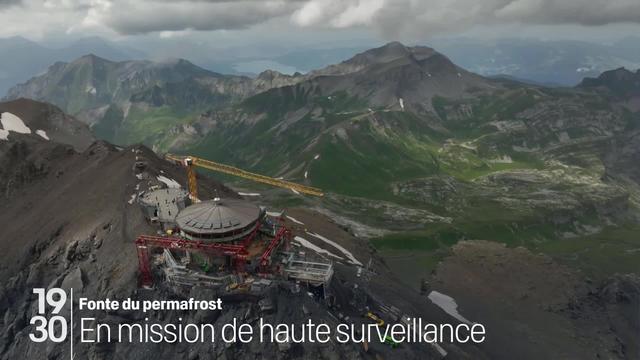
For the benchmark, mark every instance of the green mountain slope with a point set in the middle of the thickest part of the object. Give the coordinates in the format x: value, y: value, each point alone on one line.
x: 133, y: 101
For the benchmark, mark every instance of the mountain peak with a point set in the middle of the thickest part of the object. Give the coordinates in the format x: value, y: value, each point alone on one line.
x: 388, y: 53
x: 392, y: 55
x: 90, y: 59
x: 274, y: 74
x: 395, y: 50
x: 393, y: 46
x: 621, y: 81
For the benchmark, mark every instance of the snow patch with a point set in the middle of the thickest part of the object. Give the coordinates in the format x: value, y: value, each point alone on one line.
x: 402, y: 104
x: 309, y: 245
x: 316, y: 157
x: 448, y: 304
x: 295, y: 191
x: 11, y: 122
x: 294, y: 220
x: 274, y: 213
x: 133, y: 198
x: 4, y: 134
x: 524, y: 149
x: 91, y: 90
x: 306, y: 174
x: 172, y: 184
x: 344, y: 251
x: 43, y: 134
x: 248, y: 194
x: 505, y: 159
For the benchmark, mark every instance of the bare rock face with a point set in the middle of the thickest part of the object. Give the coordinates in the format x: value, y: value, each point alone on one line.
x: 269, y: 79
x: 500, y: 286
x: 620, y: 296
x: 621, y: 82
x: 73, y: 280
x: 624, y: 154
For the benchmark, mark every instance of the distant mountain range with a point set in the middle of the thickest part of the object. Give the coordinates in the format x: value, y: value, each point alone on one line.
x: 541, y: 62
x: 563, y: 63
x: 557, y: 63
x: 130, y: 101
x: 386, y: 115
x: 22, y: 59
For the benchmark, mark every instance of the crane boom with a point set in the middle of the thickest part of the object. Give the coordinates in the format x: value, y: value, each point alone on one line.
x: 230, y: 170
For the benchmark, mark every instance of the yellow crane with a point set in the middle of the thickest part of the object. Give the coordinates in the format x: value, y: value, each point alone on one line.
x: 191, y: 161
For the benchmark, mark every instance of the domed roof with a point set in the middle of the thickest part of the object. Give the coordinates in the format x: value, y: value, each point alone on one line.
x: 217, y: 216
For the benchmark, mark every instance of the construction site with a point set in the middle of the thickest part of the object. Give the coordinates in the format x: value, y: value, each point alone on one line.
x: 224, y: 243
x: 244, y: 252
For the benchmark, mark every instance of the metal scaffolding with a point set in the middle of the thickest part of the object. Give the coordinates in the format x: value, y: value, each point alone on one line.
x: 312, y: 272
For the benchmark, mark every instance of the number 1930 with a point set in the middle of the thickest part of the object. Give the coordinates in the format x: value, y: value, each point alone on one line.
x: 54, y: 328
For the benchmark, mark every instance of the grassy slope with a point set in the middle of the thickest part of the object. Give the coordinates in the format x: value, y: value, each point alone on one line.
x: 395, y: 146
x: 151, y: 125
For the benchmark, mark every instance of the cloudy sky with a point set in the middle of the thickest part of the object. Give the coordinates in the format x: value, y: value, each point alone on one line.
x: 407, y: 20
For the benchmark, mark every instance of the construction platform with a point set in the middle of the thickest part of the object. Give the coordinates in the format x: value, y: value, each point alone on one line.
x: 163, y: 205
x: 219, y: 242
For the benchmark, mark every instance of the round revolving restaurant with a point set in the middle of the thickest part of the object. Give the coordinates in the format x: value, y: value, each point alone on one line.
x: 219, y: 220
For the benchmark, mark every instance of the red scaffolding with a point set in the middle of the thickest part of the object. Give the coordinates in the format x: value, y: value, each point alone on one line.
x: 237, y: 252
x: 283, y: 234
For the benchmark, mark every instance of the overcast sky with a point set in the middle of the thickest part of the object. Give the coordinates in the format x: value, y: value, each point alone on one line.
x: 295, y: 21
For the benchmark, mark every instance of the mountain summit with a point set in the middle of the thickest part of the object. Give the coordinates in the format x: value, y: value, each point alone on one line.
x: 621, y: 82
x: 392, y: 72
x: 391, y: 52
x: 104, y: 93
x: 91, y: 82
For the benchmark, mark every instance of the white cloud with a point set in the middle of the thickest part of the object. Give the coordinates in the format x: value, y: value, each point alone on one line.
x: 154, y: 16
x: 337, y: 13
x: 395, y: 18
x: 392, y: 18
x: 311, y: 13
